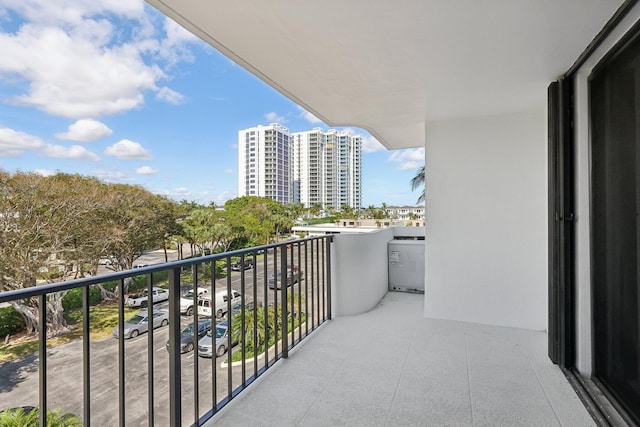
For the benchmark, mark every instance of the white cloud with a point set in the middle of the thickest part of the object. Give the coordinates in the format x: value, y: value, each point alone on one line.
x: 173, y: 48
x: 76, y: 152
x: 85, y: 130
x: 73, y: 11
x: 412, y: 158
x: 177, y: 193
x: 111, y: 176
x: 13, y: 143
x: 229, y: 171
x: 221, y: 198
x: 308, y: 116
x: 273, y: 117
x: 146, y: 170
x: 169, y: 95
x: 128, y: 150
x: 76, y: 64
x: 371, y: 145
x: 45, y: 172
x: 74, y: 77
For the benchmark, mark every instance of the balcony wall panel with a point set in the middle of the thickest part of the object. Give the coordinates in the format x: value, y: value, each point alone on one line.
x: 486, y: 198
x: 359, y: 271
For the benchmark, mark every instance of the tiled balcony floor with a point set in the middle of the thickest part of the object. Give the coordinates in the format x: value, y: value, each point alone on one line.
x: 393, y: 367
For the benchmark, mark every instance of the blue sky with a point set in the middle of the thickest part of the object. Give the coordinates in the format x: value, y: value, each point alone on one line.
x: 113, y: 89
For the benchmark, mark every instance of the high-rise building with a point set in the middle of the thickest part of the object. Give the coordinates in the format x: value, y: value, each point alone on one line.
x: 314, y: 167
x: 264, y: 167
x: 327, y: 168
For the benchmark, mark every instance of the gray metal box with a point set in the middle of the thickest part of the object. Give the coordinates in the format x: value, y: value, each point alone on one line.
x: 406, y: 265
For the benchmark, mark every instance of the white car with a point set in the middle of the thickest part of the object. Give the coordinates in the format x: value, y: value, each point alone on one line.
x: 186, y: 300
x: 206, y: 305
x: 142, y: 300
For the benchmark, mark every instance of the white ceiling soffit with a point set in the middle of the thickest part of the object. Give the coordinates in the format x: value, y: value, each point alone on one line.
x: 390, y: 67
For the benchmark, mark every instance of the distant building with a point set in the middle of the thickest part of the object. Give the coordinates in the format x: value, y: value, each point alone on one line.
x: 314, y: 167
x: 327, y: 168
x: 264, y: 167
x: 406, y: 212
x: 353, y: 226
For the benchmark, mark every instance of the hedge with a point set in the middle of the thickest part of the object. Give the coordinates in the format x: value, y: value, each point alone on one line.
x: 11, y: 321
x: 73, y: 298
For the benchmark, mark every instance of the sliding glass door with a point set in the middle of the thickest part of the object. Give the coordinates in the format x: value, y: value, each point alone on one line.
x: 615, y: 156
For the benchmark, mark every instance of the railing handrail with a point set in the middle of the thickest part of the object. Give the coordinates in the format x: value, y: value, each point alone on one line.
x: 49, y: 288
x: 316, y: 293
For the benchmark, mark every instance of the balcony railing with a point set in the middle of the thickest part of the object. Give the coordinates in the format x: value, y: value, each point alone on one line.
x: 191, y: 387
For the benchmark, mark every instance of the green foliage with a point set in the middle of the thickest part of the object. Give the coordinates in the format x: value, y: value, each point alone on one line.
x: 28, y: 417
x: 240, y: 243
x: 139, y: 283
x: 52, y: 275
x: 73, y: 298
x: 265, y: 327
x: 11, y: 322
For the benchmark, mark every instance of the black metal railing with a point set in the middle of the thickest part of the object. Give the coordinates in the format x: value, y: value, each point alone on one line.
x: 278, y: 296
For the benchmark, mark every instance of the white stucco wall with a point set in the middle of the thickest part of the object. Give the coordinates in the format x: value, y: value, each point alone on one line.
x: 359, y: 269
x: 486, y: 201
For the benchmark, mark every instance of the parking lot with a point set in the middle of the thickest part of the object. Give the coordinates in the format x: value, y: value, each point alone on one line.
x: 19, y: 378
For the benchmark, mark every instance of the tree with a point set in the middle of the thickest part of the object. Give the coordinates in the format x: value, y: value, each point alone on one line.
x: 419, y: 181
x: 280, y: 223
x: 135, y: 221
x: 58, y: 227
x: 315, y: 210
x: 43, y: 221
x: 348, y: 212
x: 251, y: 216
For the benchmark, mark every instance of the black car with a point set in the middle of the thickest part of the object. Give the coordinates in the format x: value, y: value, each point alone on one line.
x: 237, y: 266
x: 186, y: 335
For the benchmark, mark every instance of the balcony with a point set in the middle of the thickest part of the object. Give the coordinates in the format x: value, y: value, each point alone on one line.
x: 378, y: 362
x: 391, y: 366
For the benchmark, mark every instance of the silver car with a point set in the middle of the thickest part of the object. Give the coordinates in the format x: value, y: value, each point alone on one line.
x: 294, y: 275
x: 205, y: 348
x: 139, y: 323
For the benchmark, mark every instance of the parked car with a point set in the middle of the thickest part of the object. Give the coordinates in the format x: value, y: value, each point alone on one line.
x: 186, y: 300
x: 238, y: 265
x: 206, y: 305
x: 186, y: 335
x: 142, y: 300
x: 293, y: 276
x: 139, y: 323
x: 237, y: 308
x: 205, y: 347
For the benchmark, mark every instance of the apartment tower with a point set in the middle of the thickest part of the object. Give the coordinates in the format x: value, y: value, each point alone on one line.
x: 264, y: 167
x: 327, y: 168
x: 314, y: 167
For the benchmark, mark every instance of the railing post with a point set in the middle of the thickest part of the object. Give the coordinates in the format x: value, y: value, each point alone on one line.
x: 42, y: 350
x: 150, y: 400
x: 284, y: 283
x: 86, y: 365
x: 175, y: 380
x: 121, y: 359
x: 328, y: 267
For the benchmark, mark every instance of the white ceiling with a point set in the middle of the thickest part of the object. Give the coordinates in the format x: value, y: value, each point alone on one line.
x: 391, y: 67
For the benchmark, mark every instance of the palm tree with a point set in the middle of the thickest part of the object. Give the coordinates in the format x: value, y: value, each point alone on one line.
x: 417, y: 182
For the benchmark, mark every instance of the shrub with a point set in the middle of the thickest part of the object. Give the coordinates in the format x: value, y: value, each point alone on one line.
x: 11, y: 322
x: 73, y: 298
x: 29, y: 416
